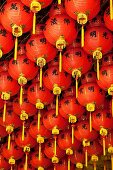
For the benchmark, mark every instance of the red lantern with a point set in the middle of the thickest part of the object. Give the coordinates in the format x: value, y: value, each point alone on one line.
x: 44, y: 162
x: 97, y: 21
x: 75, y: 44
x: 5, y: 39
x: 3, y: 163
x: 89, y: 77
x: 76, y: 62
x: 39, y: 50
x: 98, y: 40
x: 69, y: 92
x: 56, y: 81
x: 57, y: 9
x: 49, y: 150
x: 107, y: 19
x: 82, y: 12
x: 22, y: 70
x: 60, y: 30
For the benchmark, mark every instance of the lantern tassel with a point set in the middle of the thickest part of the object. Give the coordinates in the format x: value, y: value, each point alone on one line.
x: 9, y: 141
x: 16, y: 48
x: 41, y: 77
x: 21, y: 95
x: 104, y: 165
x: 112, y: 105
x: 26, y: 162
x: 39, y: 151
x: 60, y: 61
x: 23, y: 131
x: 111, y: 9
x: 76, y: 87
x: 56, y: 105
x: 34, y: 23
x: 4, y: 111
x: 69, y: 164
x: 72, y: 134
x: 104, y: 151
x: 82, y: 36
x: 95, y: 167
x: 54, y: 167
x: 86, y: 158
x: 11, y: 167
x: 59, y: 2
x: 39, y: 116
x: 90, y: 121
x: 98, y: 69
x: 55, y: 146
x: 112, y: 161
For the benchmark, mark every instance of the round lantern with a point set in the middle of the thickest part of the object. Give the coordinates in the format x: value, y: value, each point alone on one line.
x: 70, y: 109
x: 101, y: 121
x: 40, y: 51
x: 5, y: 39
x: 16, y: 18
x: 107, y: 18
x: 98, y: 41
x: 22, y: 70
x: 56, y: 81
x: 60, y: 30
x: 76, y: 62
x: 57, y: 9
x: 88, y: 96
x: 89, y: 77
x: 83, y: 133
x: 82, y: 12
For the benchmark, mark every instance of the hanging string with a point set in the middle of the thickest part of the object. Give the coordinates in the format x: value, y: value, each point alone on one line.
x: 112, y: 105
x: 69, y: 164
x: 60, y: 61
x: 111, y: 9
x: 9, y: 141
x: 39, y: 151
x: 39, y: 116
x: 11, y: 167
x: 16, y: 48
x: 86, y: 158
x: 73, y: 134
x: 112, y: 161
x: 98, y: 76
x: 90, y: 121
x: 23, y: 131
x: 105, y: 165
x: 95, y: 167
x: 104, y: 145
x: 41, y: 77
x: 26, y: 162
x: 76, y: 87
x: 21, y: 95
x: 4, y: 111
x: 34, y: 23
x: 82, y: 36
x: 55, y: 145
x: 56, y: 105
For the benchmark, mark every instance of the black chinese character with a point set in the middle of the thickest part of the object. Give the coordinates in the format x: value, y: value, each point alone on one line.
x: 53, y: 21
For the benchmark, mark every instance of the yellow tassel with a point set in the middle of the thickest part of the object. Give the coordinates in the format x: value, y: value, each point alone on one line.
x: 16, y: 48
x: 76, y: 87
x: 39, y: 116
x: 55, y: 146
x: 54, y: 167
x: 86, y: 158
x: 73, y: 135
x: 39, y: 151
x: 34, y: 23
x: 95, y: 167
x: 56, y: 105
x: 21, y: 95
x: 112, y: 161
x: 105, y: 165
x: 9, y: 141
x: 104, y: 146
x: 11, y: 167
x: 60, y: 61
x: 98, y: 69
x: 23, y: 130
x: 112, y: 106
x: 4, y: 111
x: 90, y: 122
x: 111, y: 9
x: 59, y: 1
x: 40, y: 77
x: 69, y: 164
x: 26, y: 162
x: 82, y: 36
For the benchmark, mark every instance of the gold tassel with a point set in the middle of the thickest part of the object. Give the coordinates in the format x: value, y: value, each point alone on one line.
x: 105, y: 165
x: 82, y: 36
x: 95, y: 167
x: 26, y: 162
x: 34, y: 23
x: 98, y: 69
x: 39, y: 116
x: 69, y: 164
x: 73, y: 135
x: 104, y: 146
x: 59, y: 2
x: 41, y: 77
x: 54, y: 167
x: 4, y: 111
x: 9, y: 141
x: 56, y: 105
x: 111, y: 9
x: 21, y: 95
x: 90, y: 121
x: 60, y: 61
x: 16, y: 48
x: 55, y: 146
x: 76, y: 87
x: 112, y: 105
x: 86, y: 158
x: 23, y: 130
x: 39, y: 151
x: 11, y: 167
x: 112, y: 161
